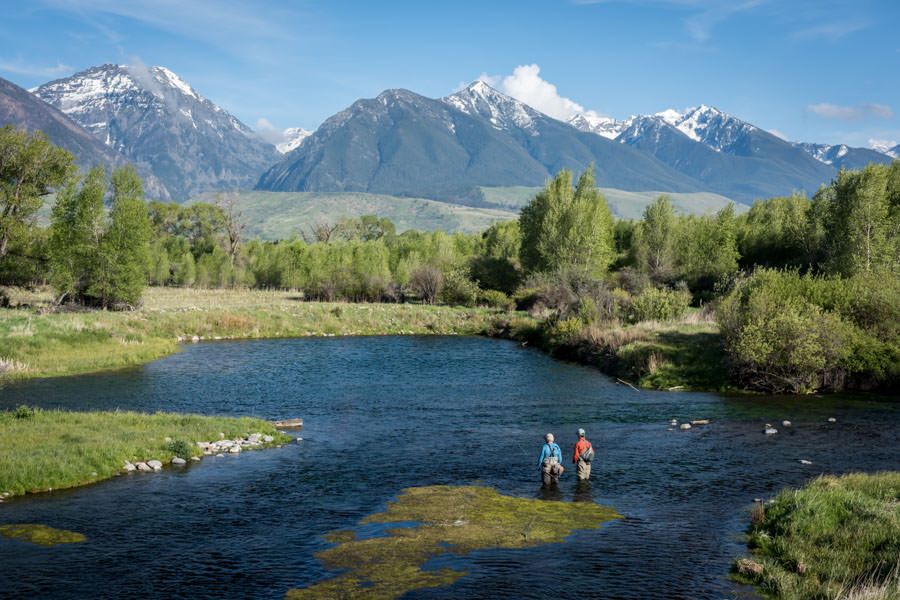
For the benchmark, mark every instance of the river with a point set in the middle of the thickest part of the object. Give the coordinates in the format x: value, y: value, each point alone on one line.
x: 385, y: 413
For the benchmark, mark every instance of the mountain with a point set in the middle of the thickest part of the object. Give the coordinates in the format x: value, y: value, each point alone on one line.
x: 404, y: 144
x: 24, y: 110
x: 843, y: 156
x: 605, y: 126
x: 293, y: 137
x: 727, y: 155
x: 153, y: 117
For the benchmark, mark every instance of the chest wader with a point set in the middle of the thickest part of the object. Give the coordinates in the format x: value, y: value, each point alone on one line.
x: 550, y: 468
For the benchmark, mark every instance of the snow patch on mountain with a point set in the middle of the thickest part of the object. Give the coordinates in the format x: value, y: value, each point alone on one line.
x: 478, y: 99
x: 293, y: 137
x: 606, y: 126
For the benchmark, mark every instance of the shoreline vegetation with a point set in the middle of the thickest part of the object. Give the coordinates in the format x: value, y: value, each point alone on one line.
x: 46, y: 450
x: 682, y: 353
x: 837, y: 537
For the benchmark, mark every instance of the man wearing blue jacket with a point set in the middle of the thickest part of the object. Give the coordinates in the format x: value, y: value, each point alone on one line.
x: 550, y: 462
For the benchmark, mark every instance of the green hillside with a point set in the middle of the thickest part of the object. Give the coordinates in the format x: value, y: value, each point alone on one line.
x: 278, y: 215
x: 624, y: 204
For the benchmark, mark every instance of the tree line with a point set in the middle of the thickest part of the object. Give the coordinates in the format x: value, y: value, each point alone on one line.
x: 806, y: 290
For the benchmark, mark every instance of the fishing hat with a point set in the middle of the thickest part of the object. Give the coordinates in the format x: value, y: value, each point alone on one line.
x: 581, y: 433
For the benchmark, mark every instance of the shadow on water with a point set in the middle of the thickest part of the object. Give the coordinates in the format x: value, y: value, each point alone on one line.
x: 382, y: 414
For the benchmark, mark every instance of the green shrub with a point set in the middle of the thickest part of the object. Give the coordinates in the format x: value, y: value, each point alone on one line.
x: 495, y: 299
x: 654, y: 304
x: 795, y: 333
x: 525, y: 329
x: 23, y: 412
x: 181, y: 448
x: 459, y: 289
x: 559, y: 332
x: 587, y: 311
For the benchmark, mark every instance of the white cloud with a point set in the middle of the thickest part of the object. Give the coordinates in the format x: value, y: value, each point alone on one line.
x: 852, y: 113
x: 526, y: 84
x: 19, y: 67
x: 881, y: 145
x: 268, y: 132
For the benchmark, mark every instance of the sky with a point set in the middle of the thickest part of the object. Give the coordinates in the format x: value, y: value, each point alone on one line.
x: 822, y: 71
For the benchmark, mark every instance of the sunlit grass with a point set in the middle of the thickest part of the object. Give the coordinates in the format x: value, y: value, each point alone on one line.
x: 839, y: 537
x: 33, y: 344
x: 42, y: 449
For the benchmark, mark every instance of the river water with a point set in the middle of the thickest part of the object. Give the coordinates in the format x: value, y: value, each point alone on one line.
x: 384, y: 413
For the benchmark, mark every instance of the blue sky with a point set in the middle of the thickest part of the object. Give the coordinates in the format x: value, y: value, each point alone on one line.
x: 817, y: 70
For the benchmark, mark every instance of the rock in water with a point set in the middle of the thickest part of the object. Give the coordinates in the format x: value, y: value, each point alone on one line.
x: 685, y: 426
x: 770, y: 431
x: 805, y: 462
x: 832, y: 420
x: 155, y: 465
x: 785, y: 423
x: 178, y: 461
x: 142, y: 466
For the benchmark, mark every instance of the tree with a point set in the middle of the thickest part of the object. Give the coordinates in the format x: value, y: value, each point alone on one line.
x: 76, y: 228
x: 30, y: 167
x: 233, y: 224
x: 860, y: 223
x: 566, y: 226
x: 655, y: 236
x: 100, y: 259
x: 706, y: 249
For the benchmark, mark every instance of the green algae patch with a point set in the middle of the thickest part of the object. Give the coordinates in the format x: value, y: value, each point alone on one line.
x: 41, y: 535
x: 450, y: 519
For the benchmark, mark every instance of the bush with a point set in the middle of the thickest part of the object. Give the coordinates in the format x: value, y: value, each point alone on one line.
x: 495, y: 299
x: 587, y: 311
x: 790, y: 333
x: 427, y: 282
x: 459, y: 289
x: 655, y: 304
x: 181, y: 449
x: 562, y: 331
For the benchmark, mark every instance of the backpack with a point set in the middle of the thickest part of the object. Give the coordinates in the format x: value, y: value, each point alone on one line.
x: 588, y: 455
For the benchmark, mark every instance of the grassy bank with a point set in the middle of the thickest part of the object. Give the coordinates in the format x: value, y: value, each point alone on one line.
x: 42, y: 450
x: 839, y: 537
x: 681, y: 354
x: 42, y: 345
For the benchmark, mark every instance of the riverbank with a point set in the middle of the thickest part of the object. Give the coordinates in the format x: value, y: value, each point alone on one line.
x: 685, y: 354
x: 34, y: 344
x: 838, y: 537
x: 43, y: 450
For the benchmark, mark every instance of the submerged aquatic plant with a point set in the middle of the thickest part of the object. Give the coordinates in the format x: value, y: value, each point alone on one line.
x: 451, y: 519
x: 42, y: 535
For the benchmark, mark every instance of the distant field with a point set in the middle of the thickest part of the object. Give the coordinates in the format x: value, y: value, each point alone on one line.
x: 624, y: 204
x: 279, y: 215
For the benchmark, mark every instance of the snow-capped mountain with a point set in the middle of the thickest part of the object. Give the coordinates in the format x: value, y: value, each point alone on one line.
x: 607, y: 127
x: 293, y: 137
x: 478, y: 99
x: 842, y: 155
x: 154, y: 117
x: 405, y: 144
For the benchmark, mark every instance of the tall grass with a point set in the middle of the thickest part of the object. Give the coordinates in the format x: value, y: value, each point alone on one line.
x: 33, y: 344
x: 839, y: 537
x: 42, y: 449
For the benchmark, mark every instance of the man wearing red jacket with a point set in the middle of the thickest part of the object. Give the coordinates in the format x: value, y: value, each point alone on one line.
x: 584, y: 453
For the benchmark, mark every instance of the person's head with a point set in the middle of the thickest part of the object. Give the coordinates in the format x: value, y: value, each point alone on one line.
x: 549, y: 438
x: 581, y: 433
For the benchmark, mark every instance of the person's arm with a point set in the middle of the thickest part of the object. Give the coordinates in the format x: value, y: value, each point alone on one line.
x: 576, y: 452
x: 544, y: 455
